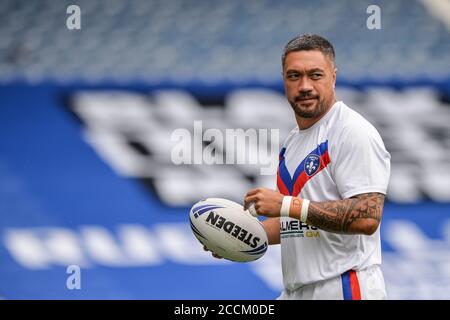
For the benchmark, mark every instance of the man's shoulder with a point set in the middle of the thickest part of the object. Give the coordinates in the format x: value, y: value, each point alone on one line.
x: 350, y: 122
x: 290, y: 135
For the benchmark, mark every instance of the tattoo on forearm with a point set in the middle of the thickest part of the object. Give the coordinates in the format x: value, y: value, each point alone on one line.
x: 296, y: 202
x: 338, y: 216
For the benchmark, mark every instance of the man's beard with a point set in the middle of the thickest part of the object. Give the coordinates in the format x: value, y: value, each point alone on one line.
x: 319, y: 109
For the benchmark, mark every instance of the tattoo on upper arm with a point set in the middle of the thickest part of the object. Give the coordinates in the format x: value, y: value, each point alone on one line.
x: 338, y: 216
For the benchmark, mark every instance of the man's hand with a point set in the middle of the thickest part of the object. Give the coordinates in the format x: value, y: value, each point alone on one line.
x: 213, y: 254
x: 267, y: 202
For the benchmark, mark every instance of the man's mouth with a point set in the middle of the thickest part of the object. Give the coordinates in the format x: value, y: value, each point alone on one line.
x: 308, y: 100
x: 305, y: 99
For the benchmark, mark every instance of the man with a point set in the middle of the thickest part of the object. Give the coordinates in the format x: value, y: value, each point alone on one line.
x: 332, y: 177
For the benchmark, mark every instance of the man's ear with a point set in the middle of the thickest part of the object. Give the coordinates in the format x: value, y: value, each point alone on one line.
x: 334, y: 77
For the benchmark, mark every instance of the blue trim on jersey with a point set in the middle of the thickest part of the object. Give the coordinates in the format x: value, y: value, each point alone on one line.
x: 284, y: 172
x: 346, y: 288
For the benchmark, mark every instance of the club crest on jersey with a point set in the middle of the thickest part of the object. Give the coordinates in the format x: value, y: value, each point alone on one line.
x: 312, y: 164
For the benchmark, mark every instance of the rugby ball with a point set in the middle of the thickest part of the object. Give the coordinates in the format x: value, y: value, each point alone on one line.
x: 228, y: 230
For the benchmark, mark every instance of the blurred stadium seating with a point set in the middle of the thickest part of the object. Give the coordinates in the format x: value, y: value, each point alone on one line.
x: 211, y: 41
x: 86, y: 118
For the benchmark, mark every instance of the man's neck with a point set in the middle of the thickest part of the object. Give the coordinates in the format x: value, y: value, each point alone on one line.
x: 305, y: 123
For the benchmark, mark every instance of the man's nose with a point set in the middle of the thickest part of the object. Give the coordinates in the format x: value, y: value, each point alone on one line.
x: 304, y: 85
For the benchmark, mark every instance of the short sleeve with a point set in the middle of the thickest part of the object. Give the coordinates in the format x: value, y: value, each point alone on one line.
x: 361, y: 162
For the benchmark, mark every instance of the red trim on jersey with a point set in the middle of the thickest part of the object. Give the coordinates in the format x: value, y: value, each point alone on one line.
x: 303, y: 178
x: 354, y: 285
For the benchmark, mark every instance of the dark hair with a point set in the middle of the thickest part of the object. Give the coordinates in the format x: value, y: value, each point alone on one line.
x: 307, y: 42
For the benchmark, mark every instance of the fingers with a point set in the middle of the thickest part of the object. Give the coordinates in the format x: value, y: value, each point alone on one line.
x: 252, y: 192
x: 252, y: 196
x: 250, y: 199
x: 216, y: 256
x: 213, y: 254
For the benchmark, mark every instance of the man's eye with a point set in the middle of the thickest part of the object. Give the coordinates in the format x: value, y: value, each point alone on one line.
x: 316, y: 75
x: 292, y: 76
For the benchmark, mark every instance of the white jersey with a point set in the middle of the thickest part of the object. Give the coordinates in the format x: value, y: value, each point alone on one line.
x: 340, y: 156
